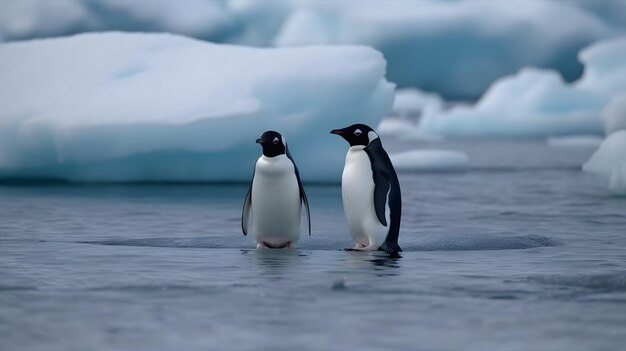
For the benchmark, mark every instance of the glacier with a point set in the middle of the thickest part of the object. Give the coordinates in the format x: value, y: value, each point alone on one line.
x: 159, y: 107
x: 539, y: 103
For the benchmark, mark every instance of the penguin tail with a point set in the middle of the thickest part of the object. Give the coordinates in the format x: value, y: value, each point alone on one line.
x: 393, y: 249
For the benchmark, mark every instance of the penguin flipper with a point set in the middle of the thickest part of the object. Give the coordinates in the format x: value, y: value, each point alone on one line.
x: 305, y: 203
x: 381, y: 192
x: 247, y: 210
x: 303, y: 198
x: 380, y: 164
x: 387, y: 195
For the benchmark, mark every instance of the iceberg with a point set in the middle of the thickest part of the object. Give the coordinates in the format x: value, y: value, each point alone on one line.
x: 26, y: 19
x: 454, y: 48
x: 610, y: 162
x: 429, y: 160
x: 532, y: 103
x: 408, y: 107
x: 412, y: 103
x: 160, y: 107
x: 539, y: 103
x: 614, y: 115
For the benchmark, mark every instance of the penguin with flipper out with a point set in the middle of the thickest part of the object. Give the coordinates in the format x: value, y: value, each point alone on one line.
x: 371, y: 192
x: 276, y: 196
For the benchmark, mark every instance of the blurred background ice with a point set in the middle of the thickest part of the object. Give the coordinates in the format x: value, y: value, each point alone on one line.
x: 463, y: 69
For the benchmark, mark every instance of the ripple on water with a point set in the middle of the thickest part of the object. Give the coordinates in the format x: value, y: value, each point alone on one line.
x: 461, y: 242
x: 596, y: 283
x: 481, y: 242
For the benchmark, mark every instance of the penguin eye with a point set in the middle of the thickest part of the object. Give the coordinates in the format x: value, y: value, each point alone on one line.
x: 358, y: 132
x: 275, y: 141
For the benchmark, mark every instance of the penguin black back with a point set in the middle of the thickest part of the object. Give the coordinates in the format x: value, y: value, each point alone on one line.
x: 386, y: 182
x: 386, y: 185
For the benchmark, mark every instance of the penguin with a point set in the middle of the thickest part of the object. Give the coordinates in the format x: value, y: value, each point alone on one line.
x: 370, y: 189
x: 276, y: 196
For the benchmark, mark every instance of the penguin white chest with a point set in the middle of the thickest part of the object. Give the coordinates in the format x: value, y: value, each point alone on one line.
x: 357, y: 188
x: 276, y: 204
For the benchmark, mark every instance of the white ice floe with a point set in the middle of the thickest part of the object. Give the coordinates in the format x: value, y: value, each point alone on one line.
x: 429, y: 160
x: 159, y: 107
x: 538, y: 103
x: 610, y: 162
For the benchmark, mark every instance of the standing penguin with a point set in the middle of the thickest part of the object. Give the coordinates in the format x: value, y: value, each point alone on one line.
x: 276, y: 196
x: 371, y: 192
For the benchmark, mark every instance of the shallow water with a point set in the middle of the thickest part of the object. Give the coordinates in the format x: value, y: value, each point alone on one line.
x: 521, y: 251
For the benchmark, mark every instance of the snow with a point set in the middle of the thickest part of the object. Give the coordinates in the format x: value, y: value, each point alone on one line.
x: 539, y: 103
x: 610, y: 162
x: 429, y: 160
x: 159, y: 107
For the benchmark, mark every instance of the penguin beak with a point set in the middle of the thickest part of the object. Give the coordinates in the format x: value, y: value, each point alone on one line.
x: 259, y: 141
x: 337, y: 131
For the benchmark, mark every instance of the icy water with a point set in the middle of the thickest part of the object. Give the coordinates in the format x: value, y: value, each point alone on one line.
x: 521, y: 251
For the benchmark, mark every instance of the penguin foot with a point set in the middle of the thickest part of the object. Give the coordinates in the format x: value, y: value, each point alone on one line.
x: 361, y: 247
x: 265, y: 245
x: 365, y: 248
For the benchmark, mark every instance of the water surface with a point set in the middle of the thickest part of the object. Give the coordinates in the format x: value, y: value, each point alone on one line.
x: 521, y: 251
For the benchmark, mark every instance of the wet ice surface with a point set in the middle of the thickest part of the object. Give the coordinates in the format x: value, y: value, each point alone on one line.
x: 519, y: 251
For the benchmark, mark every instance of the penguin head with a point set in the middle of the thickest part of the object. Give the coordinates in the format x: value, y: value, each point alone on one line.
x: 357, y: 134
x: 273, y: 143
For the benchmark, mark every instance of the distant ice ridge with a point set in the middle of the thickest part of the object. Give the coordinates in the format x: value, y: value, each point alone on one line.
x: 538, y: 103
x: 158, y: 107
x: 455, y: 48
